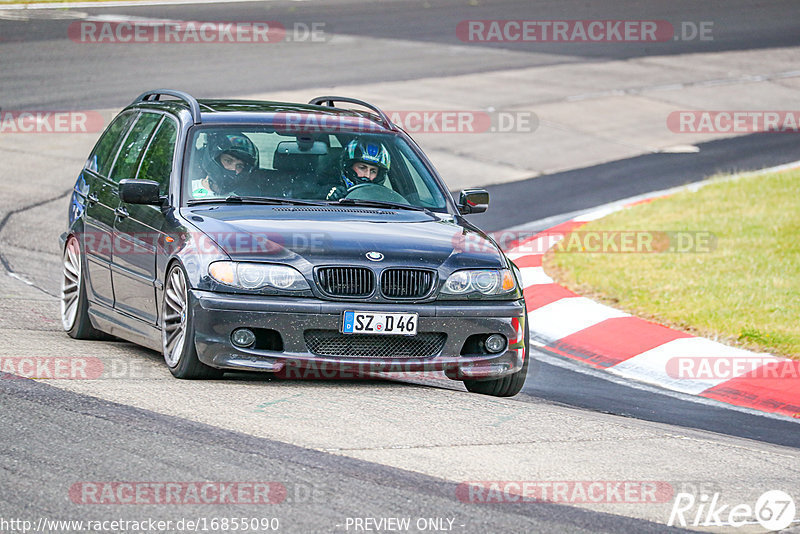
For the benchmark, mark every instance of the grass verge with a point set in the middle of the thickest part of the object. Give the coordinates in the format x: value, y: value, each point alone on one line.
x: 723, y: 262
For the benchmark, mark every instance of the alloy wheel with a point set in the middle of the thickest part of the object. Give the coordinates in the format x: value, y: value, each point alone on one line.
x: 70, y: 284
x: 174, y: 318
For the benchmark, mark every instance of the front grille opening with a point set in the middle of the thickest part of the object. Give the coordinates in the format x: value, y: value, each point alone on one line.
x: 334, y: 343
x: 346, y: 281
x: 407, y: 283
x: 268, y: 339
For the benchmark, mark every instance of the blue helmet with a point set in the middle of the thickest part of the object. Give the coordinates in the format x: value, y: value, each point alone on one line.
x: 365, y: 151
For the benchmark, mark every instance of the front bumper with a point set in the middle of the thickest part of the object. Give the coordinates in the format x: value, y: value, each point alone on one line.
x: 217, y: 315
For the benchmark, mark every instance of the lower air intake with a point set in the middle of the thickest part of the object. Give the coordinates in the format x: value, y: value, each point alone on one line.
x: 334, y: 343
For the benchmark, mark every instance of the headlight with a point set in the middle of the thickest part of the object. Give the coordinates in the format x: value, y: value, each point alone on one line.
x: 480, y: 282
x: 257, y: 276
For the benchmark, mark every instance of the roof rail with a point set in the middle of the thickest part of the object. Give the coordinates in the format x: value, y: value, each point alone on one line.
x: 329, y: 101
x: 155, y: 95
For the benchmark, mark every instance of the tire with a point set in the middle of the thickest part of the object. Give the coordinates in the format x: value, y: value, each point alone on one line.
x: 177, y: 330
x: 508, y: 386
x: 74, y: 304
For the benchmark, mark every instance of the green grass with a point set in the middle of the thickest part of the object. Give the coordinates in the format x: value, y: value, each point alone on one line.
x: 745, y: 292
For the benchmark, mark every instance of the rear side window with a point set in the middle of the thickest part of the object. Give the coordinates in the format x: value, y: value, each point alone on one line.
x: 128, y: 158
x: 157, y: 160
x: 103, y: 155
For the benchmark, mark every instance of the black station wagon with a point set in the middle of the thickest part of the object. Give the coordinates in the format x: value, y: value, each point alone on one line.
x: 269, y: 236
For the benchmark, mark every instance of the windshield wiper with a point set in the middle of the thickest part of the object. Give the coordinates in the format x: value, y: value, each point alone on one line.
x: 381, y: 204
x: 236, y: 199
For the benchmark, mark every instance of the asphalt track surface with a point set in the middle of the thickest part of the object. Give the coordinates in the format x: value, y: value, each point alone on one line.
x: 47, y: 431
x: 74, y: 76
x: 581, y: 189
x: 51, y: 436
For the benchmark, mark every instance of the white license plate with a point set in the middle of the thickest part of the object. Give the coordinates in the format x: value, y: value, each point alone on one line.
x: 359, y: 322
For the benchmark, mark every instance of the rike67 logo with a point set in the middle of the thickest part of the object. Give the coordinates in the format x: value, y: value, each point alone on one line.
x: 773, y: 510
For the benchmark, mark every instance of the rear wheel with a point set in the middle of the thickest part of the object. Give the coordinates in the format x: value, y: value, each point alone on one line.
x: 177, y: 330
x: 508, y: 386
x: 74, y: 305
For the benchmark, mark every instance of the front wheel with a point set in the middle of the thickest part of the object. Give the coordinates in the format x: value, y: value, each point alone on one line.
x: 177, y: 330
x: 508, y: 386
x: 74, y: 304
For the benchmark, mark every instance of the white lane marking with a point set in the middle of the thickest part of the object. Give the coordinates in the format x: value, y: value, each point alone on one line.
x: 569, y: 315
x: 534, y: 276
x: 40, y: 15
x: 20, y: 278
x: 597, y: 214
x: 680, y: 149
x: 514, y: 256
x: 129, y: 18
x: 554, y: 320
x: 540, y: 245
x: 582, y: 368
x: 688, y: 364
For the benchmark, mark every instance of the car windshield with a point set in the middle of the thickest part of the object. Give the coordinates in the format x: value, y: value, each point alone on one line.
x: 260, y: 163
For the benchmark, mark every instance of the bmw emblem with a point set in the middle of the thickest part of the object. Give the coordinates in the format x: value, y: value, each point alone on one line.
x: 374, y: 256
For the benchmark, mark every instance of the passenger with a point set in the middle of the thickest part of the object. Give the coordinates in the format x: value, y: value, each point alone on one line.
x: 228, y: 161
x: 362, y: 162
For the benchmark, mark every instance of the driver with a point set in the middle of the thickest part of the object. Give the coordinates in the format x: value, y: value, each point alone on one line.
x: 227, y: 161
x: 362, y: 162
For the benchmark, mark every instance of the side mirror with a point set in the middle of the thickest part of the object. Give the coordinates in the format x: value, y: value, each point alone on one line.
x: 473, y: 201
x: 139, y: 192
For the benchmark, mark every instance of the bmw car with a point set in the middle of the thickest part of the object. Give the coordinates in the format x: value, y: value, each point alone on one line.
x: 236, y: 235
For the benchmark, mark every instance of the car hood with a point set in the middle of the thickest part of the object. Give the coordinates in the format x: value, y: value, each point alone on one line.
x: 344, y: 235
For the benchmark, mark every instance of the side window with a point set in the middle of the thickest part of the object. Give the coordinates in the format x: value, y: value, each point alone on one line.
x: 106, y: 148
x: 125, y: 166
x: 157, y: 160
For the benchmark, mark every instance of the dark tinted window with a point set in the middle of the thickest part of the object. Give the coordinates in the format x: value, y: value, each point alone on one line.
x: 103, y: 155
x: 128, y: 158
x: 157, y: 160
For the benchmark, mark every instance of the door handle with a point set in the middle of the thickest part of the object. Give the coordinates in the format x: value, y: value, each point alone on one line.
x: 92, y: 198
x: 121, y: 212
